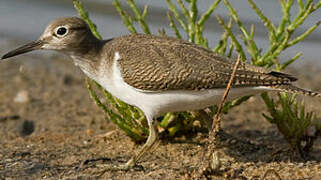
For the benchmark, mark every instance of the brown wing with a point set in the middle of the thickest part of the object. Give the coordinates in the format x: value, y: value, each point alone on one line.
x: 159, y: 63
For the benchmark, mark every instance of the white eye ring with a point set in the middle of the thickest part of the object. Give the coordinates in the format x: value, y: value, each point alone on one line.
x: 61, y: 31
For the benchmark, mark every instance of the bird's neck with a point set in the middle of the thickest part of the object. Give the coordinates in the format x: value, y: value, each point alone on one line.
x: 88, y: 59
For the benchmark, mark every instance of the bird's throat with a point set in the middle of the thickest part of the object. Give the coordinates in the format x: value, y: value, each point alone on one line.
x: 88, y: 66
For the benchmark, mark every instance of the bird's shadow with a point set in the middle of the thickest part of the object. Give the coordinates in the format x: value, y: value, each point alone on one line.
x: 243, y: 146
x: 257, y: 146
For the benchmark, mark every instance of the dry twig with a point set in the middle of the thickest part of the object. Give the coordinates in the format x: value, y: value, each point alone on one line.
x: 216, y: 126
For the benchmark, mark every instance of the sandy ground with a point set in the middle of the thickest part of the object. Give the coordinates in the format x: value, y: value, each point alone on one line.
x: 56, y: 128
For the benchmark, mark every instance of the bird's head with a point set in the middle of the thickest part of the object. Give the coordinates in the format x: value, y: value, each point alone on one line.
x: 64, y: 34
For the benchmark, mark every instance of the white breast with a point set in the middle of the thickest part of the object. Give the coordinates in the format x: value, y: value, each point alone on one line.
x: 156, y: 103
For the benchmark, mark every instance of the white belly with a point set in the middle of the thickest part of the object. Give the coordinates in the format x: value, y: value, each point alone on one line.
x: 157, y: 103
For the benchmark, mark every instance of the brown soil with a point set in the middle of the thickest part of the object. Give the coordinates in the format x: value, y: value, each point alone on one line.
x: 67, y: 129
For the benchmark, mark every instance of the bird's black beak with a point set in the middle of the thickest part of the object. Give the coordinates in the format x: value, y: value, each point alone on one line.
x: 34, y: 45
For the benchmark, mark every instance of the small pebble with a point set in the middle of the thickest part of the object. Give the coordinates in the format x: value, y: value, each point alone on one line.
x: 26, y: 128
x: 90, y: 132
x: 300, y: 165
x: 22, y: 69
x: 67, y: 80
x: 22, y: 97
x: 233, y: 141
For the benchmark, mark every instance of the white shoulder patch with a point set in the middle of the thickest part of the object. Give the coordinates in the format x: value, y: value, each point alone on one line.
x: 116, y: 56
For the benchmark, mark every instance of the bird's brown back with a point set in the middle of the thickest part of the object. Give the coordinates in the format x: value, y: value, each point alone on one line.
x: 157, y: 63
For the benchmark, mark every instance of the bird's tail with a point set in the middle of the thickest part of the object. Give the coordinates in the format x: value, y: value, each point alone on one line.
x: 293, y: 89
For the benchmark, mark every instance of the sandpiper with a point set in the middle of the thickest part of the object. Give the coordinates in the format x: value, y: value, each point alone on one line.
x: 156, y: 74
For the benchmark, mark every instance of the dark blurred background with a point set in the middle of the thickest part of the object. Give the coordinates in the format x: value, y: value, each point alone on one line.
x: 24, y: 20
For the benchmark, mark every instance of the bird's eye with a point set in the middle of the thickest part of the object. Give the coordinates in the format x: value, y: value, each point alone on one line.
x: 61, y: 31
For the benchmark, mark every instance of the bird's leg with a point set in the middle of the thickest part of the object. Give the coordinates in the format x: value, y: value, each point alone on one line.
x: 153, y: 134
